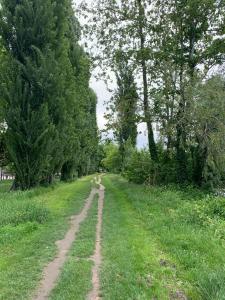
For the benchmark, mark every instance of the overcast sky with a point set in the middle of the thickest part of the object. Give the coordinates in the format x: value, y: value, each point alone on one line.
x: 104, y: 96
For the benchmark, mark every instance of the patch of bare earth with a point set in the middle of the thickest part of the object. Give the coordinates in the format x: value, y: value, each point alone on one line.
x: 52, y: 270
x: 178, y: 295
x: 97, y: 258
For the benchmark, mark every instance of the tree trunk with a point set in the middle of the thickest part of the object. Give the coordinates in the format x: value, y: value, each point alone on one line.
x: 68, y: 171
x: 182, y: 174
x: 147, y: 114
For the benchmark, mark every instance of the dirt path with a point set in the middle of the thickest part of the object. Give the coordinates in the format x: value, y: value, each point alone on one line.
x: 95, y: 293
x: 52, y: 270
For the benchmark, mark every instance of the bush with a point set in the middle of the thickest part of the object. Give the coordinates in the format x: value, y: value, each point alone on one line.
x: 216, y: 207
x: 139, y: 167
x: 209, y: 211
x: 112, y: 161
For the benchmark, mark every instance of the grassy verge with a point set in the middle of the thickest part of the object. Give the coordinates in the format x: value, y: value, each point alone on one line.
x: 5, y: 186
x: 30, y: 223
x: 160, y: 242
x: 75, y: 280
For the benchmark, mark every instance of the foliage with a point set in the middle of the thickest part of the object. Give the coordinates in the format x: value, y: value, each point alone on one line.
x: 112, y: 159
x: 45, y: 88
x: 122, y: 116
x: 209, y: 129
x: 175, y: 49
x: 139, y: 167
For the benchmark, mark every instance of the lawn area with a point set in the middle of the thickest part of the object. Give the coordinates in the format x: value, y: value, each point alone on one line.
x: 30, y: 223
x: 5, y: 186
x: 75, y: 279
x: 159, y: 243
x: 162, y: 243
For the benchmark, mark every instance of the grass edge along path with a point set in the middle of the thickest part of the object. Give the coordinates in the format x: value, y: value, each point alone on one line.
x: 178, y: 234
x: 97, y: 257
x: 52, y: 270
x: 27, y: 247
x: 131, y: 268
x: 75, y: 279
x: 79, y: 278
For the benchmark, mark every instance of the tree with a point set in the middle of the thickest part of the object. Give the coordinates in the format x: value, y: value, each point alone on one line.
x: 84, y: 136
x: 122, y: 118
x: 122, y: 26
x: 188, y: 34
x: 112, y: 159
x: 209, y: 130
x: 172, y: 47
x: 3, y: 152
x: 27, y: 30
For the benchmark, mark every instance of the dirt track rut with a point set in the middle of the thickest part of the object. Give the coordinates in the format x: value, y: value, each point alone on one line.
x: 52, y: 270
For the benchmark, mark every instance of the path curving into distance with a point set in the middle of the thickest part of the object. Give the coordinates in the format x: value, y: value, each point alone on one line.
x: 52, y: 271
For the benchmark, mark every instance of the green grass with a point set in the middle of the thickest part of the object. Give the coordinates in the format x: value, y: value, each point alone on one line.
x: 5, y: 186
x: 75, y: 280
x: 30, y: 223
x: 158, y: 242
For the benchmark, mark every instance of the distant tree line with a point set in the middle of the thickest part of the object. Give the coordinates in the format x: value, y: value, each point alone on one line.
x: 168, y: 57
x: 47, y: 110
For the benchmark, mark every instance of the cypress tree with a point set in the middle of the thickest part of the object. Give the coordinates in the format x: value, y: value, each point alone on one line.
x: 27, y: 30
x: 50, y: 109
x: 126, y: 99
x: 82, y: 133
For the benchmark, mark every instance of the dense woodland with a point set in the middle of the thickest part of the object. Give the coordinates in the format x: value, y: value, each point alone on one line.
x: 48, y: 111
x: 168, y: 61
x: 168, y: 58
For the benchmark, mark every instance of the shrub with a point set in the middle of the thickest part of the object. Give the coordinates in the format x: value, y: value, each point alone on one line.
x: 139, y: 167
x: 216, y: 207
x: 112, y: 161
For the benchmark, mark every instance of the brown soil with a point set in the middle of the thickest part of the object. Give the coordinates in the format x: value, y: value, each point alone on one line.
x: 52, y: 270
x: 95, y: 292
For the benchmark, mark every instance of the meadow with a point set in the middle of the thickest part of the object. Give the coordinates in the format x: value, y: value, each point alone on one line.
x: 157, y: 242
x: 162, y: 243
x: 30, y: 223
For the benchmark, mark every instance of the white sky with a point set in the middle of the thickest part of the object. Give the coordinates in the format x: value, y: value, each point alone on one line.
x: 103, y: 96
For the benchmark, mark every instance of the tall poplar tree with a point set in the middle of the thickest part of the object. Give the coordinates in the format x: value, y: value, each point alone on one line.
x: 189, y: 36
x: 27, y: 31
x: 123, y: 107
x: 123, y: 25
x: 45, y: 85
x: 83, y: 137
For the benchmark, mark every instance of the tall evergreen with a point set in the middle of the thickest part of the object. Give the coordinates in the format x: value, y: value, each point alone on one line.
x: 82, y: 136
x: 27, y: 30
x: 85, y: 136
x: 46, y: 90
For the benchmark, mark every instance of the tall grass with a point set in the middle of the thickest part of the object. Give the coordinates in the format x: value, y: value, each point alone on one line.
x: 16, y: 211
x: 20, y: 207
x: 188, y: 226
x: 30, y: 223
x: 5, y: 186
